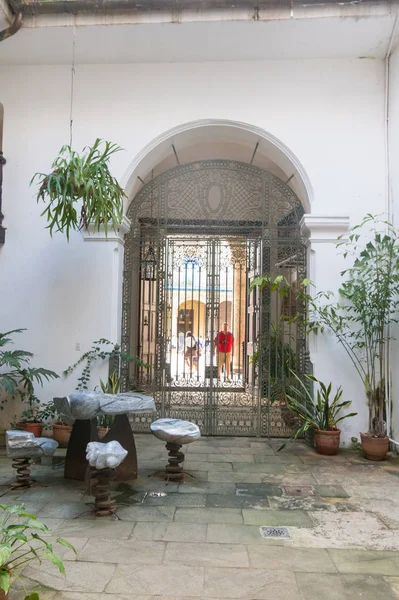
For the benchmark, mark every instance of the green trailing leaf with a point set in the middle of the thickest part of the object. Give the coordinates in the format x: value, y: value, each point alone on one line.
x: 5, y: 551
x: 81, y: 179
x: 53, y: 558
x: 5, y: 580
x: 32, y: 596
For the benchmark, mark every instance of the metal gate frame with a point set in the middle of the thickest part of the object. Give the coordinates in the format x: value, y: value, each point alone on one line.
x: 221, y: 198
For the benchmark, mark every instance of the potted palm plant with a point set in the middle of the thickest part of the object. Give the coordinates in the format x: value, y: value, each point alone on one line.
x: 321, y: 415
x: 362, y: 321
x: 21, y: 543
x: 80, y: 190
x: 18, y: 379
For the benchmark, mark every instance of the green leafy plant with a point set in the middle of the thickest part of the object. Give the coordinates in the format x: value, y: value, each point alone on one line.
x: 21, y: 543
x: 282, y: 357
x: 101, y: 349
x: 81, y: 181
x: 17, y: 376
x: 48, y: 414
x: 361, y: 318
x: 322, y: 413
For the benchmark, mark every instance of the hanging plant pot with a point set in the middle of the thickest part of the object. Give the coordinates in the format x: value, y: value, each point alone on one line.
x: 327, y: 442
x: 374, y: 448
x: 83, y: 179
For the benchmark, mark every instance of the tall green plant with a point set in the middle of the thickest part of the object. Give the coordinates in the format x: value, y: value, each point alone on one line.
x: 17, y: 377
x: 361, y: 319
x: 83, y: 181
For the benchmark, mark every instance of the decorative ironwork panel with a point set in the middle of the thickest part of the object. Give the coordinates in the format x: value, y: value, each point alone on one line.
x: 200, y: 233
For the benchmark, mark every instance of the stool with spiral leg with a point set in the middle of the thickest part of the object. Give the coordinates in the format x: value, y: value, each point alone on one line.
x: 21, y: 446
x: 176, y: 433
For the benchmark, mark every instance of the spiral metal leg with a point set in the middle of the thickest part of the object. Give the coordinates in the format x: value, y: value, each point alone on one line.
x: 102, y: 479
x: 23, y: 473
x: 174, y: 468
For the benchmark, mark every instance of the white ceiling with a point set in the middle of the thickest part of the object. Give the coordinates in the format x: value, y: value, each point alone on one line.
x: 347, y: 37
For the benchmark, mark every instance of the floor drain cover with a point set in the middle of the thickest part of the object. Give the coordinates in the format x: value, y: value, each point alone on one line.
x: 274, y: 532
x: 303, y: 491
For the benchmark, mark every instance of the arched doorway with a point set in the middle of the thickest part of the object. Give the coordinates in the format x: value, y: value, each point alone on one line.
x: 200, y: 233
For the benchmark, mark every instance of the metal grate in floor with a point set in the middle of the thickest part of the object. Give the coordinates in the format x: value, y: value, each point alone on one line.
x: 274, y: 532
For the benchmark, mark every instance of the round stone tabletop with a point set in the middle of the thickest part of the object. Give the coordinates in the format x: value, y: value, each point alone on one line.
x: 175, y: 431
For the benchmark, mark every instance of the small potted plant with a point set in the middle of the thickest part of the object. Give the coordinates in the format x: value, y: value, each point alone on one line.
x: 321, y: 415
x: 21, y: 543
x: 30, y: 419
x: 81, y: 183
x: 61, y: 431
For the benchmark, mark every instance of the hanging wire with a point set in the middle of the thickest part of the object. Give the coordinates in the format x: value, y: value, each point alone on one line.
x: 72, y: 82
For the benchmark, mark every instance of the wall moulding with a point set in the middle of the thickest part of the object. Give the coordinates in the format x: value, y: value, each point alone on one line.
x: 92, y: 235
x: 324, y: 228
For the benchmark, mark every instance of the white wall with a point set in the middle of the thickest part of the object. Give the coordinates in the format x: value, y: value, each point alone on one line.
x: 328, y: 112
x: 393, y: 136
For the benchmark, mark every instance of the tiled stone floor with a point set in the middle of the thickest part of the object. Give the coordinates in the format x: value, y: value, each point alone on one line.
x: 202, y: 539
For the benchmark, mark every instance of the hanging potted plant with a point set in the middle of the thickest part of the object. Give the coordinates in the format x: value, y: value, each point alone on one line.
x: 321, y: 415
x: 80, y: 191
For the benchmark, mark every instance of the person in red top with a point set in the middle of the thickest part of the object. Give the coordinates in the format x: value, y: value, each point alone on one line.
x: 224, y: 346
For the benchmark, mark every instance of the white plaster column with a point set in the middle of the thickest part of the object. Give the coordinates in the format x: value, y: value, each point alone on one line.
x: 330, y: 362
x: 115, y: 241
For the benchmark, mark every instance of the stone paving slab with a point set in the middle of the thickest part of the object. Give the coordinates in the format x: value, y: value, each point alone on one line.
x: 251, y: 584
x: 309, y: 560
x: 89, y: 528
x: 123, y: 552
x: 278, y: 518
x: 366, y: 561
x: 170, y: 532
x: 80, y: 576
x: 209, y: 515
x: 161, y: 580
x: 343, y: 587
x: 234, y: 534
x: 207, y: 554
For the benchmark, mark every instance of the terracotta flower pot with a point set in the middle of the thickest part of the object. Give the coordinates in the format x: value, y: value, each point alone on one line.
x: 374, y: 448
x: 327, y: 442
x: 35, y: 428
x: 61, y: 434
x: 3, y: 595
x: 102, y: 432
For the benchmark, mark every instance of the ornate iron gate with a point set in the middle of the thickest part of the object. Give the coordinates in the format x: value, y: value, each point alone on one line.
x: 200, y: 233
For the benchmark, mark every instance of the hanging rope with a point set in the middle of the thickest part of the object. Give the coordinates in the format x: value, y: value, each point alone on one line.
x: 72, y: 82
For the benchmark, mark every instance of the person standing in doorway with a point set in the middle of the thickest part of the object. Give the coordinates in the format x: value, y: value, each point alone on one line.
x: 224, y: 347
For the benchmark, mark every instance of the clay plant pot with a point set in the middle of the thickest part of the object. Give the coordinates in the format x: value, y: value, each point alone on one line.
x: 61, y: 434
x: 327, y: 442
x: 3, y: 595
x: 374, y: 448
x: 35, y: 428
x: 102, y: 432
